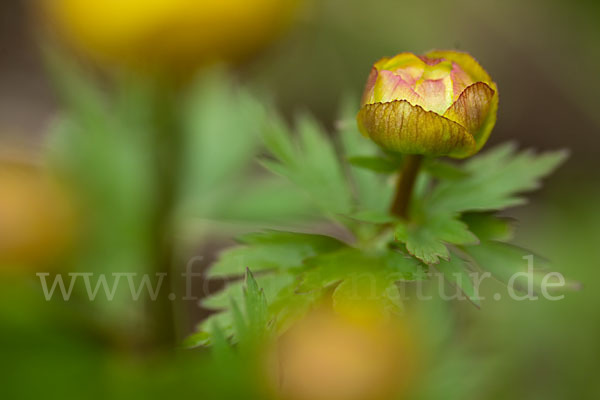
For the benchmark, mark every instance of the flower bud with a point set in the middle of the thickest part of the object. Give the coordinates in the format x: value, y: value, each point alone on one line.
x: 327, y: 356
x: 169, y: 35
x: 37, y: 216
x: 440, y: 104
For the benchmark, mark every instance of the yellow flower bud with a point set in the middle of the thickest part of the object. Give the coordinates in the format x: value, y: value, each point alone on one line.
x: 327, y: 356
x: 169, y: 34
x: 37, y: 218
x: 439, y: 104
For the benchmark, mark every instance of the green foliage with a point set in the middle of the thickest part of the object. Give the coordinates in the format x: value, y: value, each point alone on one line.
x: 310, y: 162
x: 457, y: 272
x: 271, y: 250
x: 427, y: 239
x: 491, y: 181
x: 452, y: 224
x: 222, y: 125
x: 360, y: 277
x: 495, y: 180
x: 375, y: 164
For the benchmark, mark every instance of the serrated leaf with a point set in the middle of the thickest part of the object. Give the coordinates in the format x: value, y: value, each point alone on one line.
x: 495, y: 180
x: 271, y: 284
x: 426, y: 239
x: 271, y: 250
x: 327, y: 269
x: 250, y: 295
x: 364, y: 281
x: 506, y: 262
x: 457, y: 273
x: 256, y: 302
x: 487, y: 226
x: 310, y: 162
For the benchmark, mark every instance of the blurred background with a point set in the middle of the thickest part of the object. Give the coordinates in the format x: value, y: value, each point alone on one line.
x: 543, y: 55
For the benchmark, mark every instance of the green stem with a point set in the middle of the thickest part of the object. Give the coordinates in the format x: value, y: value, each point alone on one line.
x: 166, y: 148
x: 405, y: 184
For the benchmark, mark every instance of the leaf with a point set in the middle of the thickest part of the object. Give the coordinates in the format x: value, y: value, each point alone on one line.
x: 375, y: 164
x: 310, y: 162
x: 198, y: 339
x: 487, y: 226
x: 104, y: 147
x: 495, y: 180
x: 370, y: 192
x: 271, y: 250
x: 366, y: 299
x: 327, y: 269
x: 373, y: 217
x: 425, y: 240
x: 457, y: 273
x: 221, y: 349
x: 252, y: 295
x: 221, y: 125
x: 444, y: 170
x: 506, y: 262
x: 256, y: 303
x: 271, y: 284
x: 263, y: 199
x: 363, y: 281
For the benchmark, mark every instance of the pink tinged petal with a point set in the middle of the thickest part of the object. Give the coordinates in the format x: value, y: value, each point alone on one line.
x: 476, y: 110
x: 367, y: 97
x: 466, y: 62
x: 439, y: 70
x: 390, y: 87
x: 407, y: 65
x: 460, y: 80
x: 436, y: 94
x: 402, y: 127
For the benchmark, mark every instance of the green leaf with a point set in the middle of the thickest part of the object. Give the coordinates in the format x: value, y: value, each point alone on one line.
x: 256, y: 303
x: 375, y: 164
x: 271, y: 284
x: 263, y: 199
x: 495, y: 180
x: 487, y: 226
x: 377, y: 296
x: 506, y: 262
x: 371, y: 192
x: 271, y: 250
x: 253, y: 293
x: 198, y: 339
x: 457, y: 273
x: 444, y: 170
x: 361, y: 279
x: 327, y: 269
x: 373, y: 217
x: 310, y: 162
x: 426, y: 239
x: 221, y: 349
x: 221, y: 125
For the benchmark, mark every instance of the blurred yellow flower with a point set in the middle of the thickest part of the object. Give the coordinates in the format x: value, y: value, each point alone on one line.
x: 439, y: 104
x: 169, y: 34
x: 327, y: 356
x: 37, y: 218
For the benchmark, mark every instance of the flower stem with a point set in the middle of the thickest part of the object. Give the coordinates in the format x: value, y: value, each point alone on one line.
x: 167, y: 153
x: 404, y: 186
